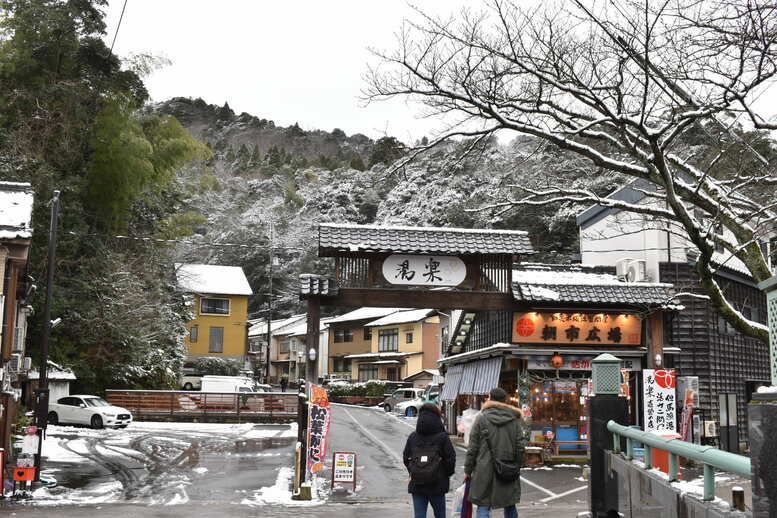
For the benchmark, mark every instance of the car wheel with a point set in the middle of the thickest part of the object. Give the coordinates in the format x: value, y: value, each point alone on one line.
x: 53, y: 418
x: 97, y: 421
x: 188, y: 386
x: 410, y: 412
x: 387, y: 408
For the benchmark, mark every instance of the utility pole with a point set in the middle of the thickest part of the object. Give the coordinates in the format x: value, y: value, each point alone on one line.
x: 269, y: 312
x: 42, y: 408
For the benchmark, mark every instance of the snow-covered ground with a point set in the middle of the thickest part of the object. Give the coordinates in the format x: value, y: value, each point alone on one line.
x: 165, y: 463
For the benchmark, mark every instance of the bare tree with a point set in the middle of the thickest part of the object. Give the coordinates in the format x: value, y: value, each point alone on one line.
x: 621, y: 83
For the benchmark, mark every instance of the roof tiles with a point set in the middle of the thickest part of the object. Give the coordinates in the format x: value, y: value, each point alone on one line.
x: 334, y: 238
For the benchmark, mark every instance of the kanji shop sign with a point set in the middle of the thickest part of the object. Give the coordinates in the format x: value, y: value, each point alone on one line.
x: 577, y: 328
x: 424, y: 270
x: 632, y: 364
x: 660, y: 402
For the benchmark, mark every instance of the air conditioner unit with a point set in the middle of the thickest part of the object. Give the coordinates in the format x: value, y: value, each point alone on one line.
x: 27, y: 364
x: 710, y: 429
x: 15, y: 363
x: 636, y: 271
x: 622, y: 267
x: 18, y: 340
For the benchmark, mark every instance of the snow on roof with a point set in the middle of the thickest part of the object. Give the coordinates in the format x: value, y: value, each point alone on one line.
x: 435, y: 229
x: 212, y: 279
x: 260, y: 328
x: 302, y: 328
x: 551, y: 274
x: 401, y: 317
x: 53, y: 374
x: 363, y: 314
x: 15, y: 210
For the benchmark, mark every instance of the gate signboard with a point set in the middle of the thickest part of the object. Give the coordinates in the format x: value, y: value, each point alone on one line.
x: 424, y: 270
x: 344, y: 468
x: 660, y: 400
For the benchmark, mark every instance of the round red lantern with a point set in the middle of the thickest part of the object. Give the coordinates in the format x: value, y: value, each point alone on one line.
x: 557, y: 361
x: 525, y: 327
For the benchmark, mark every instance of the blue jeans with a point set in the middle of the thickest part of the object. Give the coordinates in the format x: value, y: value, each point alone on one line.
x: 485, y: 512
x: 420, y: 504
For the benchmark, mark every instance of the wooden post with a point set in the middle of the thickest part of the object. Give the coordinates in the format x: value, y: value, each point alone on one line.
x: 314, y: 322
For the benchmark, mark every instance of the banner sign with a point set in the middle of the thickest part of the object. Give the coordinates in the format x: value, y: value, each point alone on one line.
x: 424, y: 270
x: 577, y: 328
x: 660, y: 402
x: 632, y: 364
x: 344, y: 468
x: 319, y: 422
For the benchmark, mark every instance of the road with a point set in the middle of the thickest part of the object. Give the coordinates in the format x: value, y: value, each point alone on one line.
x: 180, y: 469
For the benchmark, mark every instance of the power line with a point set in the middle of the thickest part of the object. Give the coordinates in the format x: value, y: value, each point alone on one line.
x: 119, y: 25
x: 213, y: 244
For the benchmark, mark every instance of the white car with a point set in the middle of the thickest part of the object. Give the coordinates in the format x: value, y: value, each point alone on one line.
x: 91, y: 410
x: 409, y: 408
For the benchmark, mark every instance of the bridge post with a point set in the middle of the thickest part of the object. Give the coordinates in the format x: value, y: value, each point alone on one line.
x: 603, y: 406
x: 762, y: 413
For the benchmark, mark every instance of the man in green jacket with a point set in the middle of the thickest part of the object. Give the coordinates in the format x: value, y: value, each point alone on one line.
x: 503, y: 425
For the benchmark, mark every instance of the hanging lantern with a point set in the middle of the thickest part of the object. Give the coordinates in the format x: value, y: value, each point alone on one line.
x: 557, y: 361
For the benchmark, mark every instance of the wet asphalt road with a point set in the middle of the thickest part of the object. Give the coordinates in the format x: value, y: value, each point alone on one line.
x: 217, y: 472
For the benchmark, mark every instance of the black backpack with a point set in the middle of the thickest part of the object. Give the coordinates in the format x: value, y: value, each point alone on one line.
x: 425, y: 464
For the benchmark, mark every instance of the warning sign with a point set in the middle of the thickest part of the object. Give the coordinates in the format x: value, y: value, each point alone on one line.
x: 344, y: 468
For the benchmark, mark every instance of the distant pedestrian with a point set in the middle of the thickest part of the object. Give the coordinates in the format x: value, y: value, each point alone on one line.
x: 431, y: 460
x: 494, y: 457
x: 284, y: 384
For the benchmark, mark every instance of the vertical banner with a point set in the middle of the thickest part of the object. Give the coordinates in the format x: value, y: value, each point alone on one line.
x: 687, y: 390
x: 660, y: 402
x: 319, y: 421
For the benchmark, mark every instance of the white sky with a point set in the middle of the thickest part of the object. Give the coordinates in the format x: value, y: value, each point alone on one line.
x: 288, y: 61
x: 285, y: 60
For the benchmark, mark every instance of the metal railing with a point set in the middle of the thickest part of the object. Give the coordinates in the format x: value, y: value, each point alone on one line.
x: 709, y: 456
x: 172, y: 403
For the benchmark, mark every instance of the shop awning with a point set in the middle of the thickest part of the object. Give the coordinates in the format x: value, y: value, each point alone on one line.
x: 452, y: 381
x: 468, y: 376
x: 487, y: 376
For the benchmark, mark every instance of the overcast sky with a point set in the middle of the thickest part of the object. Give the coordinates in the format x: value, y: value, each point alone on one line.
x: 288, y: 61
x: 285, y: 60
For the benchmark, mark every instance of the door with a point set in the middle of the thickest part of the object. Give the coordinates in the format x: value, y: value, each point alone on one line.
x: 81, y: 411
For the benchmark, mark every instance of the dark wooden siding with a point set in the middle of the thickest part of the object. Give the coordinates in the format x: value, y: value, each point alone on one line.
x: 489, y: 328
x: 722, y: 358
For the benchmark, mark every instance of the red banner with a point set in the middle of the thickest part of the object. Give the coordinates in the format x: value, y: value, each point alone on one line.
x: 319, y: 422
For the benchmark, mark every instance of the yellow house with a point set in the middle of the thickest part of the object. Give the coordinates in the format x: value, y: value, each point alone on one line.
x: 401, y: 344
x: 348, y: 336
x: 219, y: 327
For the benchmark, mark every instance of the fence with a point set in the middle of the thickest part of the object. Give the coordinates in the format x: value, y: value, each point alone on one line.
x: 707, y: 455
x: 174, y: 405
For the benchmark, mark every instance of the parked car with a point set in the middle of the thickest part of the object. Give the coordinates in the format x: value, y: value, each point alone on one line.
x: 400, y: 395
x: 191, y: 378
x: 410, y: 408
x: 91, y: 410
x: 335, y: 379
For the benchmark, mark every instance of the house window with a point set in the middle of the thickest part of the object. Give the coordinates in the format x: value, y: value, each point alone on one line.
x: 724, y: 328
x: 193, y: 333
x: 216, y: 340
x: 285, y: 345
x: 388, y: 340
x: 408, y: 338
x: 343, y: 335
x: 391, y: 374
x: 368, y: 372
x: 214, y: 306
x: 342, y: 365
x: 368, y: 333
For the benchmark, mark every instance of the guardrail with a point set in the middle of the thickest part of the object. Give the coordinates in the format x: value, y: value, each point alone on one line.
x: 188, y: 404
x: 709, y: 456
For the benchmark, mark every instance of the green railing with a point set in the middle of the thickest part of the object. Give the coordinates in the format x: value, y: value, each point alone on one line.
x: 707, y: 455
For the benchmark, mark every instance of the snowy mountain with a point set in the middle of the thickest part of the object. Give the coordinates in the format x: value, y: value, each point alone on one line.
x: 263, y: 176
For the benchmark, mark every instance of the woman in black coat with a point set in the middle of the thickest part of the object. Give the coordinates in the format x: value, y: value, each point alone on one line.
x: 429, y: 435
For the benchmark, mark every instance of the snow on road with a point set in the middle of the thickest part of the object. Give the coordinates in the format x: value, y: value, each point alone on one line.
x: 155, y: 462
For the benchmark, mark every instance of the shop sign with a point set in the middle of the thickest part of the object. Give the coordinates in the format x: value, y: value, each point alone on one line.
x: 660, y: 402
x: 580, y: 365
x: 319, y: 422
x: 344, y: 468
x: 577, y: 328
x: 424, y: 270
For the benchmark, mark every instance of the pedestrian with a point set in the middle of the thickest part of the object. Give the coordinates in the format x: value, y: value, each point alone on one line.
x: 284, y: 383
x: 431, y: 460
x: 495, y: 456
